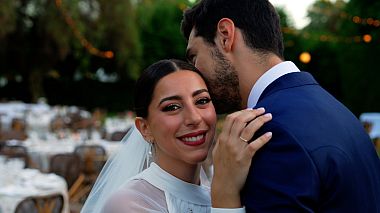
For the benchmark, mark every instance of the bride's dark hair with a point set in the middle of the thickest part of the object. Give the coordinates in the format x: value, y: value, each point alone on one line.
x: 146, y: 84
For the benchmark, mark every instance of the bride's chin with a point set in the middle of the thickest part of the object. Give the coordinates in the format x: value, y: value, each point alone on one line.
x: 201, y: 158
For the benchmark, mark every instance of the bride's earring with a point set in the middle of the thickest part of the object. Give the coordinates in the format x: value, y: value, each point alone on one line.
x: 150, y: 152
x: 149, y: 157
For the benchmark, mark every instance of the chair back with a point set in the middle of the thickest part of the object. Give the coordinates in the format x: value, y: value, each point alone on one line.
x: 93, y: 158
x: 2, y: 144
x: 13, y: 135
x: 118, y: 135
x: 66, y: 165
x: 15, y: 151
x: 41, y: 204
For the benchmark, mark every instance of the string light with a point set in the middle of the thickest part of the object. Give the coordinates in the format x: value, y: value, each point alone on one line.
x: 83, y: 41
x: 305, y: 57
x: 367, y: 38
x: 354, y: 18
x: 365, y: 21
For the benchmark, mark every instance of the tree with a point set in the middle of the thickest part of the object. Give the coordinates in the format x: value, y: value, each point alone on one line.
x: 341, y: 60
x: 358, y: 59
x: 325, y: 16
x: 117, y: 24
x: 34, y: 41
x: 8, y: 17
x: 159, y: 23
x: 292, y: 41
x: 39, y: 36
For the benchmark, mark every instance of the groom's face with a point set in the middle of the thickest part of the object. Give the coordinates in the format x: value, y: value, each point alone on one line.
x: 220, y: 75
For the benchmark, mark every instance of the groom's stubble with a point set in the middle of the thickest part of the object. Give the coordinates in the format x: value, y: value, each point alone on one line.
x: 224, y: 86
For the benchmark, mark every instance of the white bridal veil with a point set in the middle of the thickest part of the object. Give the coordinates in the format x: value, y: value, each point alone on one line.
x: 130, y: 160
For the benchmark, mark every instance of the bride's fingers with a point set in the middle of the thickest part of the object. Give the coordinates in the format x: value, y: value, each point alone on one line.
x: 242, y: 120
x: 255, y: 145
x: 249, y: 131
x: 227, y: 125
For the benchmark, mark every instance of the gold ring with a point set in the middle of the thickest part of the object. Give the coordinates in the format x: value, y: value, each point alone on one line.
x: 245, y: 140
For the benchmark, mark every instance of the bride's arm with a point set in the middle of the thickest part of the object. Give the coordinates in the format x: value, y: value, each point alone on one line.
x: 136, y: 197
x: 232, y: 155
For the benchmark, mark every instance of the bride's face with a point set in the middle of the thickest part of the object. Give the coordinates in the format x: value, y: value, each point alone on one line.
x: 181, y: 120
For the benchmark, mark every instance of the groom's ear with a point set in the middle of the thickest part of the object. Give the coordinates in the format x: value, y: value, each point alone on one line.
x: 143, y: 128
x: 225, y: 34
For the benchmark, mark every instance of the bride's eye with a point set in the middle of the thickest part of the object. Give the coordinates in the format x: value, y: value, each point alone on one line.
x: 171, y: 107
x: 203, y: 101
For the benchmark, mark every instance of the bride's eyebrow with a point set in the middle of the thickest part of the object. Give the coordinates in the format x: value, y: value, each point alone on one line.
x: 199, y: 92
x: 174, y: 97
x: 177, y: 97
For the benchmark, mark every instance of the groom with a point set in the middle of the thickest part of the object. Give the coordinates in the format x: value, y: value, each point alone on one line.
x: 319, y: 159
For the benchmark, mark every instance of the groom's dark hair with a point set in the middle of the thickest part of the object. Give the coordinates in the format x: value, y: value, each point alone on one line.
x: 257, y: 19
x: 147, y: 82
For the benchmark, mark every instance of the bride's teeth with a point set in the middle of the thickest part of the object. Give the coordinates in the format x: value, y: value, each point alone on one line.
x: 193, y: 139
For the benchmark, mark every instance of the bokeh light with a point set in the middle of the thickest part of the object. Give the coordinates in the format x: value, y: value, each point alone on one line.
x: 305, y: 57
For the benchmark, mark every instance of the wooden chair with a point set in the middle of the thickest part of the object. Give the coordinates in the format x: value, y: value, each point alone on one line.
x: 13, y: 135
x: 2, y: 144
x: 15, y: 151
x: 41, y: 204
x: 93, y: 158
x: 118, y: 135
x: 69, y: 167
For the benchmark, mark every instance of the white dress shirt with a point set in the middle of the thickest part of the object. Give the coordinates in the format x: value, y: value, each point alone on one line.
x: 267, y: 78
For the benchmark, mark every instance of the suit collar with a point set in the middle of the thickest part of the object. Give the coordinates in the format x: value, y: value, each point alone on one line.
x: 287, y: 81
x: 267, y: 78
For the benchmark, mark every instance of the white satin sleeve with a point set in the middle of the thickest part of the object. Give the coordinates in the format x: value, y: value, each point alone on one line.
x: 137, y: 196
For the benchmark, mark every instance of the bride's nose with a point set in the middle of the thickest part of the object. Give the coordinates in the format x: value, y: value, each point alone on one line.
x: 192, y: 116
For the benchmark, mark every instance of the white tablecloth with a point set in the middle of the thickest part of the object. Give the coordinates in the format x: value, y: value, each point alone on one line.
x: 41, y: 112
x: 17, y: 184
x: 40, y: 151
x: 374, y: 119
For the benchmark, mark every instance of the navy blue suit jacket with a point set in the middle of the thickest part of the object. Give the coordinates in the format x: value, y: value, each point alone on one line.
x: 320, y: 159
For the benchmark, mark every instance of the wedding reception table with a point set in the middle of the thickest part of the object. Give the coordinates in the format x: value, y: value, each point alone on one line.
x: 11, y: 110
x: 17, y: 183
x: 40, y: 151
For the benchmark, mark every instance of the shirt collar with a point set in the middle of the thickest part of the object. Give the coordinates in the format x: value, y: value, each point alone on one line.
x: 267, y: 78
x: 198, y: 194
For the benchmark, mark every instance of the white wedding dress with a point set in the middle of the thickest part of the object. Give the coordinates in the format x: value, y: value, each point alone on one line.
x: 124, y: 185
x: 155, y: 190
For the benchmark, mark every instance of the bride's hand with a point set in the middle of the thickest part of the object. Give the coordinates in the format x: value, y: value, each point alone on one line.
x: 232, y: 155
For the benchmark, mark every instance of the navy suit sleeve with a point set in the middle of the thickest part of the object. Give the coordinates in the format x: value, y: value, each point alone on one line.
x: 282, y: 178
x: 339, y: 181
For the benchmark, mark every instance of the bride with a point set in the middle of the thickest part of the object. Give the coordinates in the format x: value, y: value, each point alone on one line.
x: 158, y: 168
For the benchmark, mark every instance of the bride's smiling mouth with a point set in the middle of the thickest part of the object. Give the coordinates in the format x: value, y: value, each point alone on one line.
x: 194, y: 139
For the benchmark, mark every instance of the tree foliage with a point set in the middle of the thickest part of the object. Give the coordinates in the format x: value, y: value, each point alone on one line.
x: 159, y: 24
x: 59, y: 41
x: 38, y: 40
x: 359, y: 60
x: 341, y: 60
x: 54, y: 45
